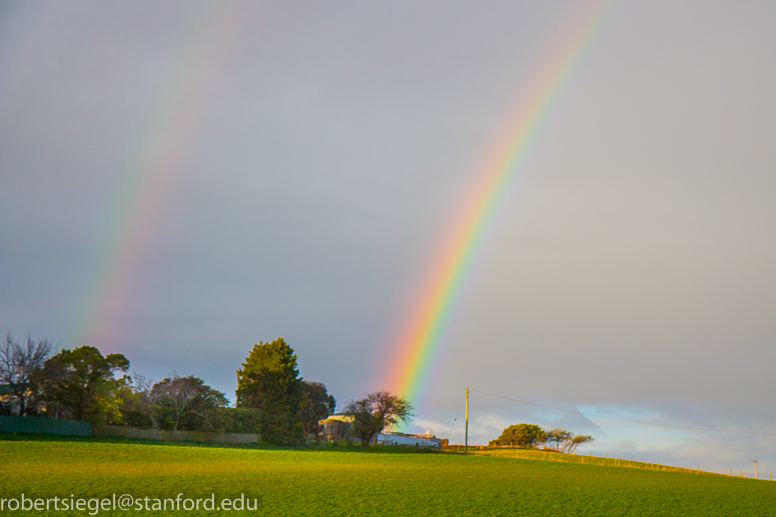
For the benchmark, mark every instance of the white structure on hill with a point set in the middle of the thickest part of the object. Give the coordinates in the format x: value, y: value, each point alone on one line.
x: 420, y: 440
x: 338, y: 427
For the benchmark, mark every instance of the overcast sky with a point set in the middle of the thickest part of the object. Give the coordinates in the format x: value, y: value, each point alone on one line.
x: 180, y: 180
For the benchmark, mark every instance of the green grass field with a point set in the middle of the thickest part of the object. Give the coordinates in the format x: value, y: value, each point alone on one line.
x: 353, y: 482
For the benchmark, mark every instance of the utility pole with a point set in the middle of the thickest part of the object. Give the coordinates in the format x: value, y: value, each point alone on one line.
x: 466, y: 435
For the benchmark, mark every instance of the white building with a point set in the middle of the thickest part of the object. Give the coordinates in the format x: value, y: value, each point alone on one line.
x: 420, y: 440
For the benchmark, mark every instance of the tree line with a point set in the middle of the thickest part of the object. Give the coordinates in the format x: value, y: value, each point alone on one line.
x: 272, y: 399
x: 532, y: 436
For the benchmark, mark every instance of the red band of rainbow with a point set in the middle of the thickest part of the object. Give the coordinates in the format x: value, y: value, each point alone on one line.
x: 420, y: 342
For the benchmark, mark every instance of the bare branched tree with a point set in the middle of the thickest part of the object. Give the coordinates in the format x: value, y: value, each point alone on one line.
x: 558, y: 438
x: 141, y: 383
x: 19, y: 362
x: 178, y: 399
x: 378, y: 411
x: 176, y: 393
x: 579, y: 440
x: 141, y: 388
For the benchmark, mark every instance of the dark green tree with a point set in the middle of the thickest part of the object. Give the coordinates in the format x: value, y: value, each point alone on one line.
x: 377, y: 412
x: 185, y: 403
x: 318, y: 404
x: 82, y: 384
x: 239, y: 420
x: 269, y: 382
x: 136, y: 405
x: 135, y: 408
x: 520, y: 435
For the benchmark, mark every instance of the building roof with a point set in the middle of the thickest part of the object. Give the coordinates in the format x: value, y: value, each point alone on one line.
x: 427, y: 436
x: 338, y: 417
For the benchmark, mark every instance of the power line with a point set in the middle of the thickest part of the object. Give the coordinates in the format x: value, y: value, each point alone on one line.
x: 631, y: 420
x: 454, y: 420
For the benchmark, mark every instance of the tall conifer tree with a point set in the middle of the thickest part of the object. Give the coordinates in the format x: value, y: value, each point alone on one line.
x: 269, y: 382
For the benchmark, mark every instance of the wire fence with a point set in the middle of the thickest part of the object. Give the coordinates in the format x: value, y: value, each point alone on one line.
x: 589, y: 459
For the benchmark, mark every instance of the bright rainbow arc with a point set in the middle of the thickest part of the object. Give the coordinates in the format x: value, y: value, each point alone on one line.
x: 423, y: 336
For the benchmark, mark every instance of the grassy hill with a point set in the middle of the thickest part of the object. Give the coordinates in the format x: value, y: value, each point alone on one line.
x: 353, y: 482
x: 581, y: 459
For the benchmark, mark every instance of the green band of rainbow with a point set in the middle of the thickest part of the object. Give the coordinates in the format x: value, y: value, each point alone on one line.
x: 158, y: 161
x: 423, y: 336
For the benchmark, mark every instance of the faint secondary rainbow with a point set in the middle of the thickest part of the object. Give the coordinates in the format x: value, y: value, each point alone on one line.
x: 153, y: 176
x: 420, y: 342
